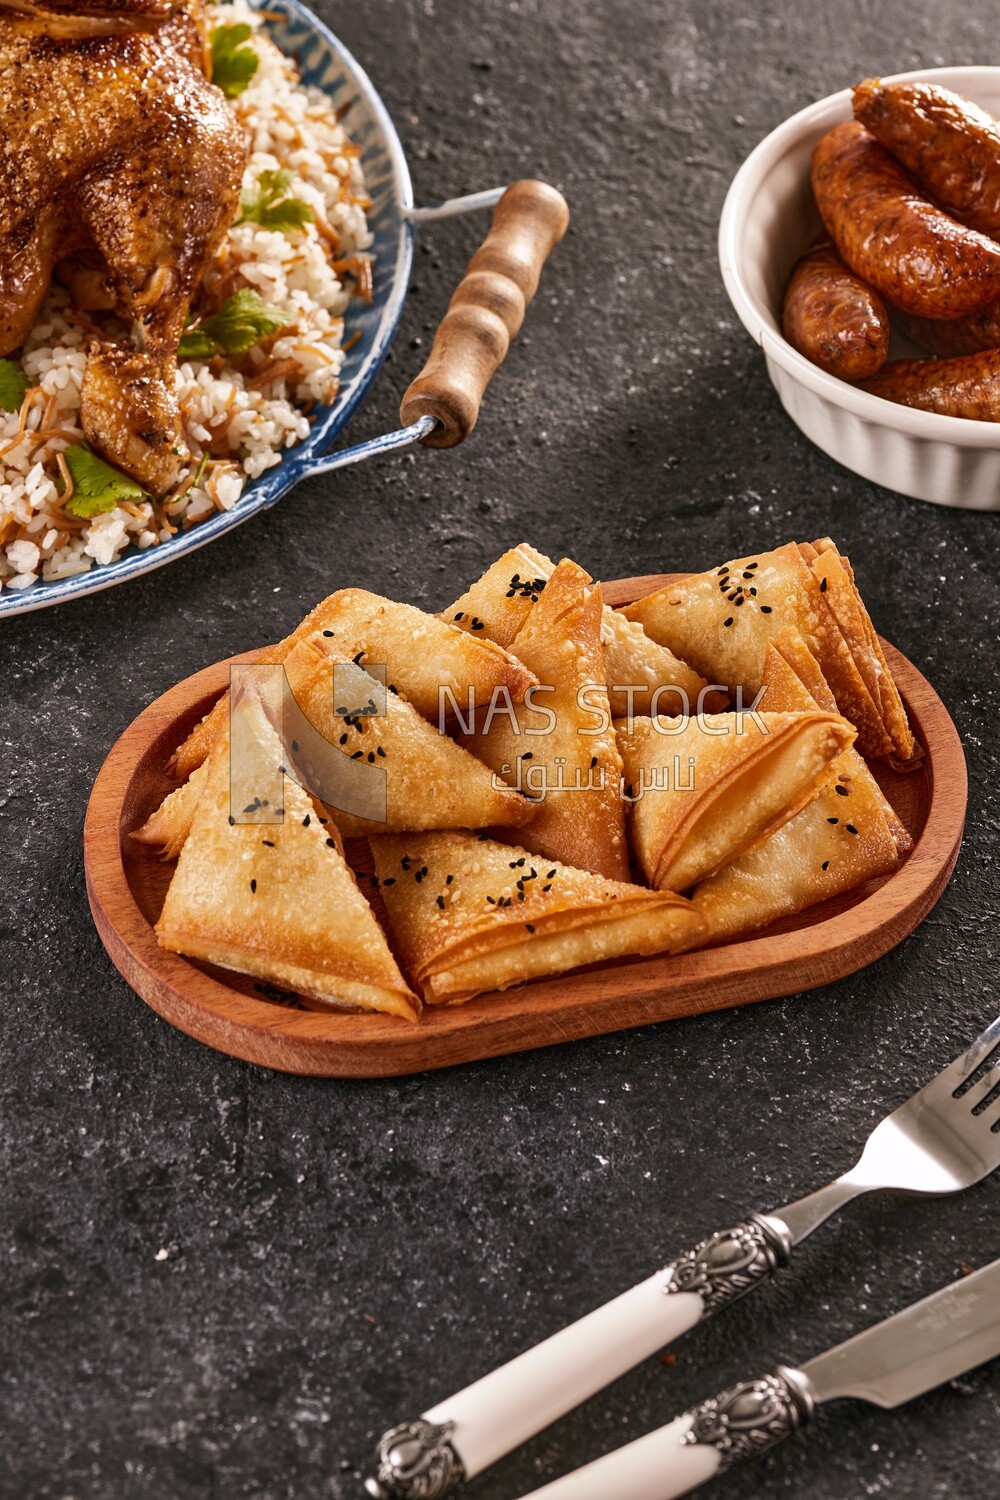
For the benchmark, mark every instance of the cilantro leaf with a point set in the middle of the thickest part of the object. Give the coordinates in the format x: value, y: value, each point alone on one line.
x: 97, y: 487
x: 13, y: 385
x: 242, y: 321
x: 273, y: 206
x: 196, y: 345
x: 233, y: 64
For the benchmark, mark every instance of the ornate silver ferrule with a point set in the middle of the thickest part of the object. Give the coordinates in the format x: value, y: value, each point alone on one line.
x: 730, y: 1263
x: 751, y: 1417
x: 415, y: 1462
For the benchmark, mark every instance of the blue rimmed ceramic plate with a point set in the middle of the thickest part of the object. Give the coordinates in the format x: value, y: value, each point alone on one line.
x: 325, y: 62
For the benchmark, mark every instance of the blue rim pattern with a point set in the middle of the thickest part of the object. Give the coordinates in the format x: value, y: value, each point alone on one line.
x: 326, y: 63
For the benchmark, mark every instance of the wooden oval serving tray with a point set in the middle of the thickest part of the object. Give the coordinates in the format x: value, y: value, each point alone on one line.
x: 126, y: 883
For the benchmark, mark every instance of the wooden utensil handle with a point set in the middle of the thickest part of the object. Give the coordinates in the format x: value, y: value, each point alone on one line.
x: 486, y: 312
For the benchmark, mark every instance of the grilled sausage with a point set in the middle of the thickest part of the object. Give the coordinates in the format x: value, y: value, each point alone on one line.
x: 834, y: 318
x: 913, y: 253
x: 948, y: 337
x: 950, y: 145
x: 966, y: 387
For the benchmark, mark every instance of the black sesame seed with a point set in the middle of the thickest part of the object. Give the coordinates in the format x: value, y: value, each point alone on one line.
x: 822, y: 587
x: 389, y: 880
x: 268, y: 842
x: 739, y: 601
x: 593, y: 761
x: 449, y: 879
x: 841, y: 791
x: 331, y: 843
x: 826, y: 864
x: 406, y: 861
x: 458, y: 614
x: 529, y: 926
x: 306, y: 821
x: 551, y: 875
x: 232, y: 820
x: 833, y: 820
x: 765, y: 609
x: 726, y: 623
x: 379, y: 751
x: 440, y: 902
x: 546, y: 888
x: 371, y: 757
x: 343, y: 739
x: 253, y: 887
x: 850, y: 828
x: 328, y: 632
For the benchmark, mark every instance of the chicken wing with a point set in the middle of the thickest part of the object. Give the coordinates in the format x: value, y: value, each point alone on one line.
x: 119, y: 159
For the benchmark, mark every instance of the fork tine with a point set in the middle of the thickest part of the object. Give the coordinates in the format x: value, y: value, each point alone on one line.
x: 982, y: 1088
x: 972, y: 1058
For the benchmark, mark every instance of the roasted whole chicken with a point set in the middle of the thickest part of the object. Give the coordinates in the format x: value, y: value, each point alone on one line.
x: 120, y: 172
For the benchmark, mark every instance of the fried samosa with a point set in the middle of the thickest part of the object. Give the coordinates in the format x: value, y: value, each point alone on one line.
x: 705, y: 790
x: 722, y: 622
x: 469, y: 914
x: 573, y: 767
x: 500, y: 602
x: 378, y: 765
x: 277, y: 901
x: 170, y: 824
x: 848, y: 835
x: 430, y: 663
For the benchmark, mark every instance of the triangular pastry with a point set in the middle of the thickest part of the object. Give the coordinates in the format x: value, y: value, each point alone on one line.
x: 169, y: 826
x: 432, y: 664
x: 722, y: 620
x: 276, y: 899
x: 838, y: 584
x: 574, y: 767
x: 470, y: 915
x: 375, y: 761
x: 705, y: 790
x: 500, y: 602
x: 849, y: 835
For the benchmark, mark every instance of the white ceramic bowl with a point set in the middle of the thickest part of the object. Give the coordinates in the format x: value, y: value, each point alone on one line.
x: 768, y: 219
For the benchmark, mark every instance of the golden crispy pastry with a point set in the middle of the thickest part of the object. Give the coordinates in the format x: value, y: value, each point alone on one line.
x: 273, y: 897
x: 500, y: 602
x: 421, y: 654
x: 574, y: 768
x: 468, y: 914
x: 848, y: 835
x: 722, y: 622
x: 377, y: 764
x: 707, y: 790
x: 169, y: 826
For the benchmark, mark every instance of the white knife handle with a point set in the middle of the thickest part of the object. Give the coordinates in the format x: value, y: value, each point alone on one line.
x: 467, y: 1432
x: 746, y: 1420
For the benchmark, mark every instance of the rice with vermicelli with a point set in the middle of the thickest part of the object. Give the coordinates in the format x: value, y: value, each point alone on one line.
x: 237, y: 421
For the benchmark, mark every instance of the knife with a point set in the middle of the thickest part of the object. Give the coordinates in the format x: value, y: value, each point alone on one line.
x: 927, y: 1344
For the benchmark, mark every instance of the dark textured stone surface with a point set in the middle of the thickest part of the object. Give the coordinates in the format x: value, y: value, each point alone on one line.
x: 339, y: 1255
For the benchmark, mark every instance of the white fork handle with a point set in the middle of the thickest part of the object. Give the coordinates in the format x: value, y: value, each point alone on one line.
x: 511, y: 1404
x: 467, y: 1432
x: 657, y: 1467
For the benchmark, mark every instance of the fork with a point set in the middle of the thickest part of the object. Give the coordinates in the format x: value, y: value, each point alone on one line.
x: 942, y: 1140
